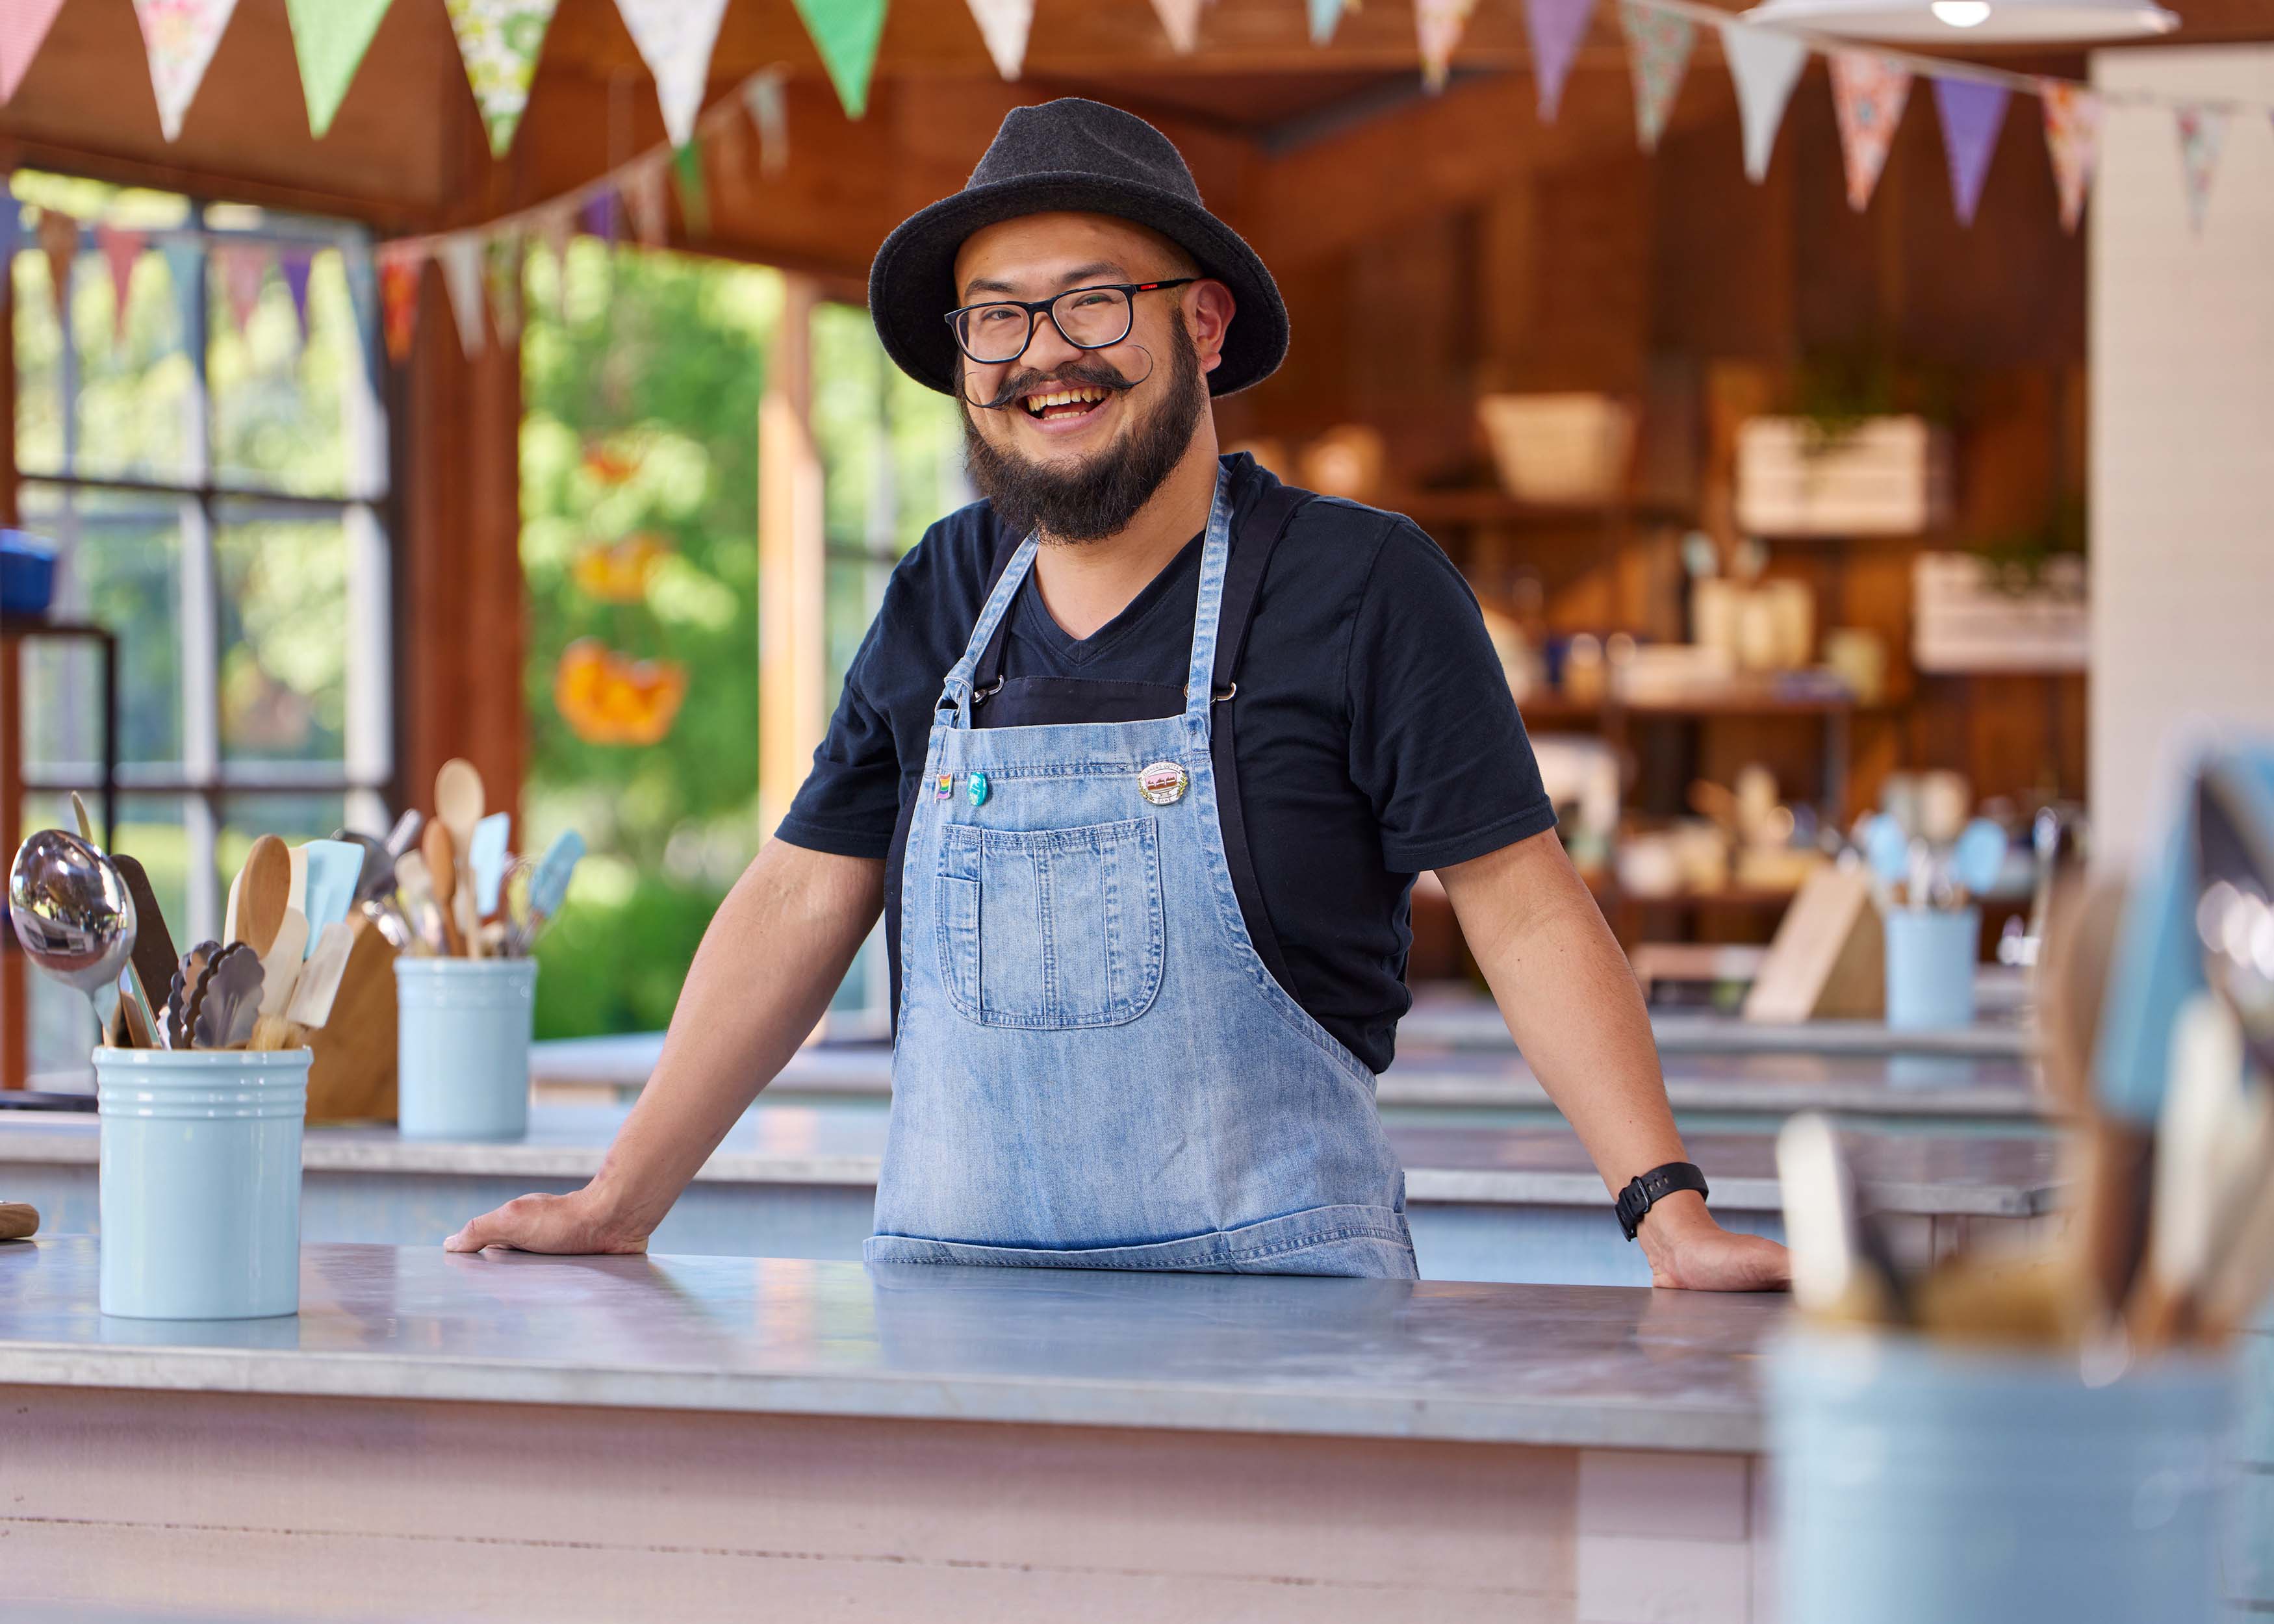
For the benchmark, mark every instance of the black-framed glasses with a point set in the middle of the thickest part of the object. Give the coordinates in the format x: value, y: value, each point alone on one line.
x: 1087, y: 317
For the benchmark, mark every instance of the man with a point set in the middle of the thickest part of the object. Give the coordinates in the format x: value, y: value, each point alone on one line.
x: 1141, y: 759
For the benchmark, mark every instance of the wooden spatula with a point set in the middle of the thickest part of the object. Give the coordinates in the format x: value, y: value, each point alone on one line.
x: 442, y: 854
x: 264, y: 892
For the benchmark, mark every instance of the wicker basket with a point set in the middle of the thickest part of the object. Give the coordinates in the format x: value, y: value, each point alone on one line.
x: 1560, y: 448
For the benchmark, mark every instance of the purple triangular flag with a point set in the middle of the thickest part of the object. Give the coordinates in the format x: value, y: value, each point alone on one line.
x: 1972, y: 114
x: 598, y: 215
x: 11, y: 224
x: 293, y: 263
x: 1557, y: 27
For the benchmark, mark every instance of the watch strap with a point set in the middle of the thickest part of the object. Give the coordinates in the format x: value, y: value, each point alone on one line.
x: 1646, y: 1191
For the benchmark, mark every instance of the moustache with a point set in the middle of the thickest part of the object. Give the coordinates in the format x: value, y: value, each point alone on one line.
x: 1088, y: 374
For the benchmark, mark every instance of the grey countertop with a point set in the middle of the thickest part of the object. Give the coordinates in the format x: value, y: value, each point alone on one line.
x: 841, y: 1143
x: 1584, y: 1366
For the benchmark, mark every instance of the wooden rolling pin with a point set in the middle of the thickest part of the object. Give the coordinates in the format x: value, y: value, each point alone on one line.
x: 17, y: 1221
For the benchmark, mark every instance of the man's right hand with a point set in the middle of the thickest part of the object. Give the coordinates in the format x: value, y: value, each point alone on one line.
x: 578, y: 1223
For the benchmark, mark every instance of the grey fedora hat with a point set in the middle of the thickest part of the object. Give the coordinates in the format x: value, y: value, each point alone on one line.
x: 1079, y: 155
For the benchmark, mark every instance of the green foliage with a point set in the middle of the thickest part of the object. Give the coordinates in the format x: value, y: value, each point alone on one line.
x: 616, y: 965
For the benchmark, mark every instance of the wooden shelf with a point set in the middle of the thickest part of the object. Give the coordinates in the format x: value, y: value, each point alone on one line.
x: 1549, y: 709
x: 1488, y: 505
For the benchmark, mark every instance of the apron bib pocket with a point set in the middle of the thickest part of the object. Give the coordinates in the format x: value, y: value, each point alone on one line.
x: 1053, y: 929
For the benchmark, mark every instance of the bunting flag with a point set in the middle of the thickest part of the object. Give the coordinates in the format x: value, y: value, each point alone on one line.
x: 1556, y: 29
x: 294, y: 264
x: 23, y: 26
x: 243, y: 268
x: 1658, y: 55
x: 1973, y: 113
x: 180, y: 37
x: 12, y: 225
x: 558, y: 228
x: 59, y: 241
x: 727, y: 142
x: 2203, y: 131
x: 329, y: 37
x: 1180, y: 19
x: 693, y: 195
x: 675, y: 38
x: 770, y: 112
x: 399, y: 268
x: 1868, y: 93
x: 643, y: 201
x: 499, y: 41
x: 2071, y: 141
x: 122, y: 252
x: 1004, y: 25
x: 460, y: 256
x: 1764, y: 66
x: 501, y: 268
x: 185, y: 260
x: 1437, y: 26
x: 846, y: 33
x: 1324, y: 15
x: 597, y: 217
x: 363, y: 300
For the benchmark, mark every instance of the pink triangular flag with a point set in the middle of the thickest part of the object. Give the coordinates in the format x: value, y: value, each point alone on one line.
x: 122, y: 252
x: 1972, y: 112
x: 2071, y: 141
x: 460, y: 256
x: 244, y: 268
x: 180, y: 37
x: 1868, y: 93
x: 2203, y: 131
x: 1658, y: 53
x: 23, y: 26
x: 294, y: 264
x: 1004, y: 25
x: 1181, y: 19
x: 643, y: 200
x: 1437, y: 28
x: 1555, y: 27
x: 59, y: 241
x: 1765, y: 64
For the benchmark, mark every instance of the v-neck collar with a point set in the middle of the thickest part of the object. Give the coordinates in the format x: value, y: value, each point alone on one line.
x: 1035, y: 620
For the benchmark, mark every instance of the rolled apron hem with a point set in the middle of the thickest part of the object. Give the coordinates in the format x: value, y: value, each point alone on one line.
x: 1369, y: 1241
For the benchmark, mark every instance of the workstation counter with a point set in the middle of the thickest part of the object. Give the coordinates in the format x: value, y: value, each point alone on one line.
x: 1506, y: 1204
x: 423, y: 1439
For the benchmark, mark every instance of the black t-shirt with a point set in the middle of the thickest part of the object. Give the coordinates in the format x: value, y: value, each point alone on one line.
x: 1376, y: 734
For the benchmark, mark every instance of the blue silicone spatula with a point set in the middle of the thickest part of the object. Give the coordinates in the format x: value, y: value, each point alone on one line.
x: 334, y: 867
x: 1979, y: 855
x: 486, y: 858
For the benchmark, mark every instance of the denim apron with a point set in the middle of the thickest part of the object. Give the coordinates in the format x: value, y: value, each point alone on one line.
x: 1094, y: 1068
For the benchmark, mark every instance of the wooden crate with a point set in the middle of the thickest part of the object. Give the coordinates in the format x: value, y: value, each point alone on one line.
x: 1888, y: 476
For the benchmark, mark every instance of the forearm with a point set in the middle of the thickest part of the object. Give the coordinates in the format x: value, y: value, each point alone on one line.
x: 774, y: 954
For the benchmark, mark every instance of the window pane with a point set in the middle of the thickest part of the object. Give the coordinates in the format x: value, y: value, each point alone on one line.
x: 283, y: 636
x: 121, y: 569
x: 285, y: 406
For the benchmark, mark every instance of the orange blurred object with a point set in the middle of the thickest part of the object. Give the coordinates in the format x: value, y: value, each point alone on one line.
x: 619, y: 572
x: 610, y: 698
x: 609, y: 466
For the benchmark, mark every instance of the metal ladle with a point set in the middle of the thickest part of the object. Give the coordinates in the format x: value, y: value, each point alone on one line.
x: 73, y: 914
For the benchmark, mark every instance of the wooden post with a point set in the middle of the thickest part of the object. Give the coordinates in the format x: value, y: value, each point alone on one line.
x: 792, y: 648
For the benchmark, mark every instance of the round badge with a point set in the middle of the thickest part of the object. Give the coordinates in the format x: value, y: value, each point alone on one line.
x: 1164, y: 783
x: 975, y: 786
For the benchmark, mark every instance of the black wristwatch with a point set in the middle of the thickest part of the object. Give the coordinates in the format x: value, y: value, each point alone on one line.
x: 1652, y: 1187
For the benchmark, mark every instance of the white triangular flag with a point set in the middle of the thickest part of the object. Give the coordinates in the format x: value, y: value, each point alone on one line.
x: 1181, y: 19
x: 180, y: 37
x: 1765, y: 65
x: 770, y: 112
x: 675, y: 38
x: 460, y: 256
x: 1004, y: 25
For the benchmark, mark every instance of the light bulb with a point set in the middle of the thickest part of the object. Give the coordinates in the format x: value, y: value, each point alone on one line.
x: 1961, y: 14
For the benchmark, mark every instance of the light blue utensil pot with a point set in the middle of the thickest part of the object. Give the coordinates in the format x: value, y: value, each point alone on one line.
x: 463, y: 1026
x: 199, y: 1186
x: 1930, y: 966
x: 1918, y: 1484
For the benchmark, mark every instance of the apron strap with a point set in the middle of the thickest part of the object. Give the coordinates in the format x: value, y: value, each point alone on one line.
x: 990, y: 676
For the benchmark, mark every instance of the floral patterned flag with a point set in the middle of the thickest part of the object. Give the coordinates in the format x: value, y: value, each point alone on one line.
x: 770, y: 112
x: 1181, y: 19
x: 460, y: 256
x: 1868, y: 93
x: 1004, y: 25
x: 846, y: 33
x: 1764, y: 65
x: 243, y: 268
x: 499, y: 41
x: 2071, y: 141
x: 1658, y: 53
x: 2203, y: 131
x: 400, y: 265
x: 122, y: 252
x: 1556, y: 29
x: 501, y: 268
x: 180, y: 37
x: 1972, y: 112
x: 674, y: 37
x: 330, y: 37
x: 294, y: 264
x: 23, y: 26
x: 1438, y: 26
x: 59, y: 241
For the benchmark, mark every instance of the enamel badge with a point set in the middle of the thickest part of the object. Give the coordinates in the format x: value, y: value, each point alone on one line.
x: 943, y: 786
x: 1164, y: 783
x: 975, y: 786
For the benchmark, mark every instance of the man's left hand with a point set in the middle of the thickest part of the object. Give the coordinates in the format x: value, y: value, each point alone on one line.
x: 1689, y: 1251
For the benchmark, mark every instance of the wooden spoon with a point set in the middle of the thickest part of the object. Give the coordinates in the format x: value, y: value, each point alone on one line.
x: 265, y: 891
x: 442, y: 854
x: 459, y: 803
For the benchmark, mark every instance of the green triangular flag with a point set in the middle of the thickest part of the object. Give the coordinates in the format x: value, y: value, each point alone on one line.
x: 330, y: 37
x: 844, y: 32
x: 693, y: 195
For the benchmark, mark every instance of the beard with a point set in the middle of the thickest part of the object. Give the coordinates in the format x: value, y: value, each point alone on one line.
x: 1098, y: 496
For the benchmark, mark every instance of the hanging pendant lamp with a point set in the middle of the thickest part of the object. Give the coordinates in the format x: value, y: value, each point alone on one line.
x: 1958, y: 22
